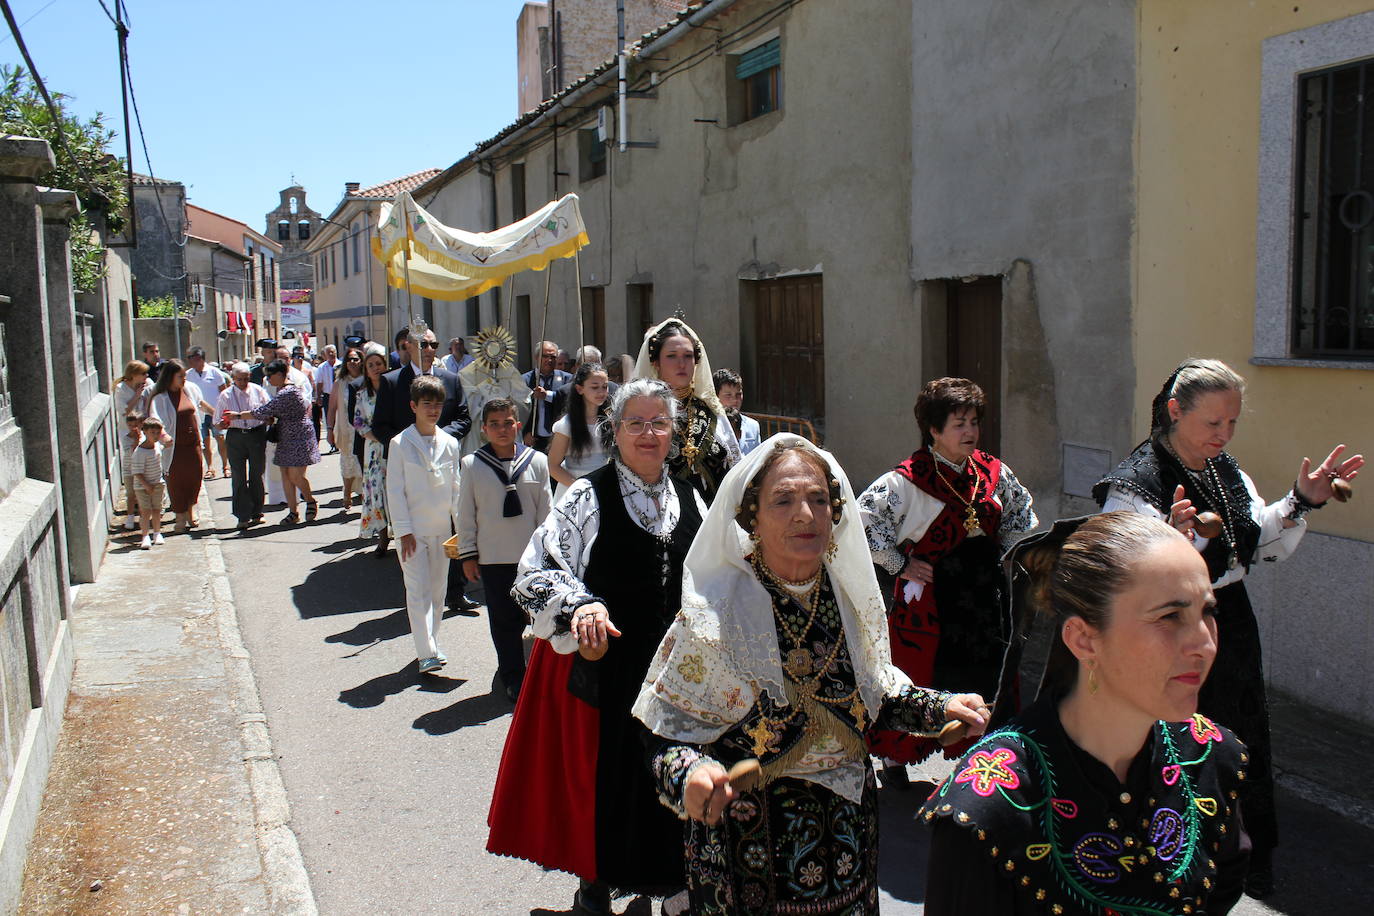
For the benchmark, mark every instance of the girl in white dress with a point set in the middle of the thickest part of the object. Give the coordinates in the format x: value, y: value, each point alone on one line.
x: 577, y: 449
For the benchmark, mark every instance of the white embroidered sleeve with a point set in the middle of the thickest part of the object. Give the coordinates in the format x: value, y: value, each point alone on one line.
x: 1275, y: 542
x: 881, y: 509
x: 893, y: 510
x: 548, y: 582
x: 1018, y: 514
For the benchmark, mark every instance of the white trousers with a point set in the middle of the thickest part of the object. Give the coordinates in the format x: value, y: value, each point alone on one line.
x: 426, y: 578
x: 271, y: 478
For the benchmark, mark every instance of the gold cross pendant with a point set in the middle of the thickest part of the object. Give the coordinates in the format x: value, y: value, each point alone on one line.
x: 971, y: 519
x: 763, y: 735
x: 856, y: 709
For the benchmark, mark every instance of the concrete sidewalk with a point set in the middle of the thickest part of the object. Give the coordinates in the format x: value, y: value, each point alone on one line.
x: 164, y: 796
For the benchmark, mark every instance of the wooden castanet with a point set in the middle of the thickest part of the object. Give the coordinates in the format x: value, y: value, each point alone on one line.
x: 744, y: 775
x: 1341, y: 489
x: 952, y: 732
x: 1208, y: 524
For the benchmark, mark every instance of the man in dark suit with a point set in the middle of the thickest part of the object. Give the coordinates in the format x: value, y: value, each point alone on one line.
x: 394, y: 413
x: 400, y: 355
x: 544, y: 382
x: 559, y: 405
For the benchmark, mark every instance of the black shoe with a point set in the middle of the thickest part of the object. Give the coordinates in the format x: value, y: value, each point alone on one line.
x: 462, y: 603
x: 895, y: 777
x: 513, y: 694
x: 1259, y: 881
x: 592, y: 899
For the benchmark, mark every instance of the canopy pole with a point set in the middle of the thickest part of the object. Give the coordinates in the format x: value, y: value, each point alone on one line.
x: 544, y: 324
x: 501, y: 304
x: 405, y: 262
x: 581, y: 332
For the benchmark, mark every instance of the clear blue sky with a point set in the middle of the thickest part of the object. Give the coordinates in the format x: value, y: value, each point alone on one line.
x: 239, y: 96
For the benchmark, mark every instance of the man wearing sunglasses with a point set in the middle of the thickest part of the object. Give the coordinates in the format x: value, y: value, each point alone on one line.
x: 393, y: 412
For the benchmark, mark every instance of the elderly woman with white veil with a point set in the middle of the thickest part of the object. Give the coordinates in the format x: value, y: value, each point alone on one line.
x: 780, y: 655
x: 704, y: 444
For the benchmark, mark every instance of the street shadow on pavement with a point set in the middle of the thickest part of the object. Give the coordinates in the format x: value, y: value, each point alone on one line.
x: 903, y: 843
x: 347, y: 585
x: 468, y: 711
x: 379, y: 629
x: 375, y: 691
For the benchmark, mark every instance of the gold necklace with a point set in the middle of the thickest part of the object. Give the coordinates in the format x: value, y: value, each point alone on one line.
x: 971, y: 515
x: 799, y: 661
x: 690, y: 447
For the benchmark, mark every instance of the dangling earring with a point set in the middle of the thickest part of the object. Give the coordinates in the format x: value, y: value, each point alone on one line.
x: 830, y: 550
x: 1092, y: 677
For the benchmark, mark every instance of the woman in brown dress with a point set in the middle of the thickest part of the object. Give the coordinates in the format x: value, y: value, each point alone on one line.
x: 181, y: 458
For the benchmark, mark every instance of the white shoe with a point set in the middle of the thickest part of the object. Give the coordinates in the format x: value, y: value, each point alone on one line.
x: 130, y: 523
x: 146, y: 543
x: 157, y: 539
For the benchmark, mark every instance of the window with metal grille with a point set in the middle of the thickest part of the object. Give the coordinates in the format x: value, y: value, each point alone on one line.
x: 1333, y: 244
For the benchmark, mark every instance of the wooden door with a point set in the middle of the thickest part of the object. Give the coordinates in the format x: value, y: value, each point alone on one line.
x: 593, y: 318
x: 790, y: 356
x: 975, y: 346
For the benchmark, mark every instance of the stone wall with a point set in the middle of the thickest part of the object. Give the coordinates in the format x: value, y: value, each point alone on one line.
x: 53, y: 407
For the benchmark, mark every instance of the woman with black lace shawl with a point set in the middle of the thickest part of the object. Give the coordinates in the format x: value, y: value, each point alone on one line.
x: 1183, y: 470
x: 704, y: 443
x: 780, y: 654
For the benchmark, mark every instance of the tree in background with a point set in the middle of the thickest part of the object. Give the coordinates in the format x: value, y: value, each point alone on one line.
x: 84, y: 165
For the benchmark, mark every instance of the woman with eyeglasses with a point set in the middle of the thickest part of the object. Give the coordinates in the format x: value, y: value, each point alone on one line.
x: 602, y: 578
x: 341, y: 423
x: 704, y: 443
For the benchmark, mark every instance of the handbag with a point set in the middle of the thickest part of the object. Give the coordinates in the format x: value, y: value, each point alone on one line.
x: 274, y: 434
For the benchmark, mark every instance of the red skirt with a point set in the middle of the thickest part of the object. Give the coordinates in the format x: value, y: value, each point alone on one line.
x: 543, y: 807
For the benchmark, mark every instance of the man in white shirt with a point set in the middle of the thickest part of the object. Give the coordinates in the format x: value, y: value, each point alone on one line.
x: 324, y: 386
x: 247, y: 445
x: 209, y: 381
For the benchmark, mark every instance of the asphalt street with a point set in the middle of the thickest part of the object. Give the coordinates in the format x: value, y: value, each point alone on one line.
x: 389, y: 776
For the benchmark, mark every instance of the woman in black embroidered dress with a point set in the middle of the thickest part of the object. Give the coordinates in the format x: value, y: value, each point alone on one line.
x: 1183, y: 469
x: 781, y: 654
x: 704, y: 443
x: 1110, y: 794
x: 602, y: 579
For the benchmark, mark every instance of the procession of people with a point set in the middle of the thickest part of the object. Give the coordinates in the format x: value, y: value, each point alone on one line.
x: 715, y: 668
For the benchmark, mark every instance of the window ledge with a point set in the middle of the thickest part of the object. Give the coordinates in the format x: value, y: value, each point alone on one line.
x: 1312, y: 363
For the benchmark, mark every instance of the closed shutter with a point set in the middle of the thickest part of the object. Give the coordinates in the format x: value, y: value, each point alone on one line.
x: 758, y: 59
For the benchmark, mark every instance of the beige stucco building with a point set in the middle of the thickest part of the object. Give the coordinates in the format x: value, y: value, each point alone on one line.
x: 1233, y: 109
x: 351, y: 295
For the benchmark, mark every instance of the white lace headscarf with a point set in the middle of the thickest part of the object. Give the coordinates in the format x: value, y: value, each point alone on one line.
x: 703, y: 386
x: 724, y: 641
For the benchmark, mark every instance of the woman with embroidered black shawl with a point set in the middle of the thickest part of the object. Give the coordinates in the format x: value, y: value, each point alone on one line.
x: 1182, y: 470
x: 601, y: 579
x: 1110, y: 794
x: 780, y: 654
x: 704, y: 443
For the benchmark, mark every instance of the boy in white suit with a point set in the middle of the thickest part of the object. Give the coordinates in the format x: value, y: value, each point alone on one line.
x: 422, y: 500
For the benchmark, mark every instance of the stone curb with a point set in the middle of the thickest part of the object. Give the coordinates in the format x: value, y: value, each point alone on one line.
x: 288, y: 883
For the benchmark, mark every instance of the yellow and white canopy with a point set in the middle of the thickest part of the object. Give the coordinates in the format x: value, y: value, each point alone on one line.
x: 451, y: 264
